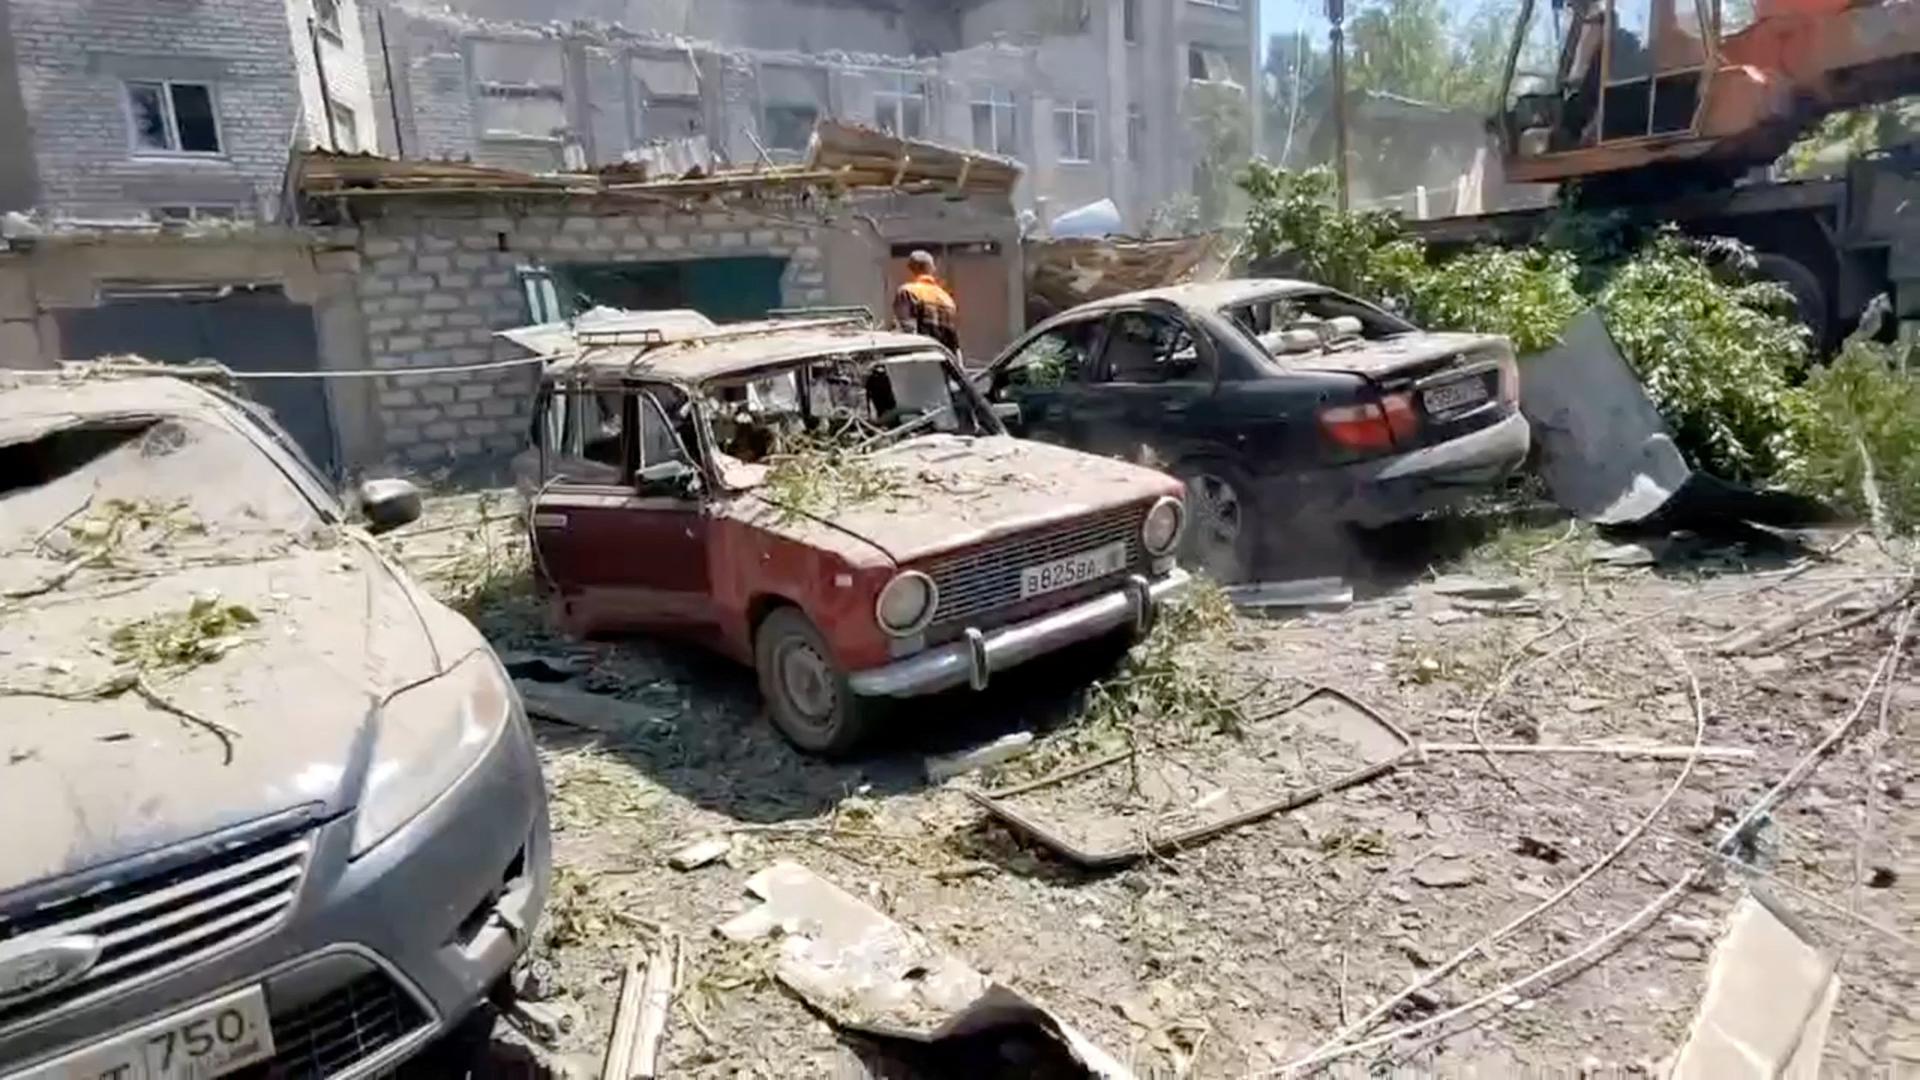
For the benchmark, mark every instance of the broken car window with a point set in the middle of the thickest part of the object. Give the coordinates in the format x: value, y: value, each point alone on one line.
x: 1148, y: 347
x: 862, y: 401
x: 1055, y: 357
x: 1306, y: 322
x: 582, y: 432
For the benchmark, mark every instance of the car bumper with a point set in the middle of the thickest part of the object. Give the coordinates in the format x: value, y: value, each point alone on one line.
x: 972, y: 660
x: 379, y: 955
x: 1408, y: 485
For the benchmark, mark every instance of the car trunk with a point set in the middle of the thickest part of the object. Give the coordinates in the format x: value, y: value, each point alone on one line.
x: 1451, y: 383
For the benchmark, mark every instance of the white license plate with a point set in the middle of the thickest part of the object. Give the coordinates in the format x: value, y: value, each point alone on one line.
x: 200, y: 1043
x: 1453, y: 396
x: 1073, y: 570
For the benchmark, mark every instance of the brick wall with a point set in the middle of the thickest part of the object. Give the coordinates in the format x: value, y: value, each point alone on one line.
x: 74, y: 60
x: 434, y: 286
x: 345, y: 60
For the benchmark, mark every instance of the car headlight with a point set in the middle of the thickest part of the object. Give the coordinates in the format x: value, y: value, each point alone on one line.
x: 429, y: 736
x: 1161, y: 531
x: 906, y: 605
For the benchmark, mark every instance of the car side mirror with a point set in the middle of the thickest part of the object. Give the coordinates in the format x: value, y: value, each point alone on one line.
x: 676, y: 478
x: 388, y: 504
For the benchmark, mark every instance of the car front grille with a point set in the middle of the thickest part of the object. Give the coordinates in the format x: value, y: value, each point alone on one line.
x: 340, y: 1029
x: 983, y: 581
x: 164, y: 920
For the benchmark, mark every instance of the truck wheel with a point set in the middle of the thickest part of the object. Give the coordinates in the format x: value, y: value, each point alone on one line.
x: 1809, y: 296
x: 1223, y: 528
x: 806, y: 692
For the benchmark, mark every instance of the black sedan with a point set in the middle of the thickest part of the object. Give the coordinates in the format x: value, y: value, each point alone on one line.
x: 1285, y: 406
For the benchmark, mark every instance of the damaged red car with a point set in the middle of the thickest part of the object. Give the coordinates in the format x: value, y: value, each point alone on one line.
x: 834, y: 505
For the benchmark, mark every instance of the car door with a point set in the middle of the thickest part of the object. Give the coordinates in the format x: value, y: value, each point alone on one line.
x: 1152, y: 396
x: 1046, y: 376
x: 622, y: 534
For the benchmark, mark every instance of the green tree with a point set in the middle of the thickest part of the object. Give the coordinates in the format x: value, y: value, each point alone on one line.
x: 1825, y: 150
x: 1416, y: 49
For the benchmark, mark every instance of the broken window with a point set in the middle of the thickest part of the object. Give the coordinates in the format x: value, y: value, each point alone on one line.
x: 1130, y: 21
x: 1059, y: 356
x: 1209, y: 65
x: 581, y: 432
x: 900, y: 105
x: 326, y: 17
x: 1148, y: 347
x: 669, y: 96
x: 794, y: 100
x: 1075, y: 132
x: 1136, y: 133
x: 522, y: 89
x: 1306, y: 322
x: 995, y: 121
x: 173, y: 117
x: 346, y: 128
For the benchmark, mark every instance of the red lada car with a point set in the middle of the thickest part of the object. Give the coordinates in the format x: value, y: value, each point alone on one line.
x: 834, y: 505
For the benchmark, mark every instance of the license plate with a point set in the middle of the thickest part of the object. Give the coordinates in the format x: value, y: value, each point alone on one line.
x: 1073, y: 570
x: 200, y: 1043
x: 1453, y: 396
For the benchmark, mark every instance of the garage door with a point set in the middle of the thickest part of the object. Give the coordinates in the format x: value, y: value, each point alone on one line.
x: 247, y: 330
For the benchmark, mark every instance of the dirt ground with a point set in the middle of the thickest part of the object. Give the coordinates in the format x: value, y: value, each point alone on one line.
x: 1247, y: 952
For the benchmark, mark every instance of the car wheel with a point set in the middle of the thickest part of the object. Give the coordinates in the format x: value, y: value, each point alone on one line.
x: 1222, y: 527
x: 806, y: 692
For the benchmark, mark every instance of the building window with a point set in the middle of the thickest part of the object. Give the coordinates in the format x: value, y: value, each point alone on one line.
x: 521, y: 89
x: 184, y: 214
x: 790, y: 127
x: 1136, y: 133
x: 173, y: 117
x: 346, y: 128
x: 670, y: 106
x: 995, y: 121
x: 1209, y: 65
x: 326, y: 17
x: 1075, y: 127
x: 900, y: 105
x: 1130, y: 21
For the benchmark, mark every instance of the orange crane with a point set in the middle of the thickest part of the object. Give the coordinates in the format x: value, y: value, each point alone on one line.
x: 1706, y: 87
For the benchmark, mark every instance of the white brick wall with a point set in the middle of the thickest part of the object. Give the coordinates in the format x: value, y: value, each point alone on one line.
x: 346, y: 63
x: 73, y: 61
x: 435, y: 287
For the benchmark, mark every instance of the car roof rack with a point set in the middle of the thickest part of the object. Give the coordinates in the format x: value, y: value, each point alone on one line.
x: 834, y: 311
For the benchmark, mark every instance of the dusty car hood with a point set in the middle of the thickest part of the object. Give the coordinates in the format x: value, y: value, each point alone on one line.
x: 957, y: 491
x: 1407, y: 355
x: 101, y: 779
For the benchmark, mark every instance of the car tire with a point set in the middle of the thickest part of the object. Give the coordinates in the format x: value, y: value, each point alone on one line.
x: 1223, y: 526
x: 807, y: 694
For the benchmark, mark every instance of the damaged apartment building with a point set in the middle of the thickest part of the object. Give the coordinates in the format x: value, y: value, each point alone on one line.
x: 1094, y: 97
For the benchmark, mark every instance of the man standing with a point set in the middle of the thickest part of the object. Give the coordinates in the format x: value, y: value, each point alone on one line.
x: 924, y: 306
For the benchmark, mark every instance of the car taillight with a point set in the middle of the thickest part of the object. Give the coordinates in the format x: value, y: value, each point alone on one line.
x: 1357, y: 427
x: 1509, y: 380
x: 1402, y: 420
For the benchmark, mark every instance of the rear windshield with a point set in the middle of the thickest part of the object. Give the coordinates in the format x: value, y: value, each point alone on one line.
x: 1308, y: 322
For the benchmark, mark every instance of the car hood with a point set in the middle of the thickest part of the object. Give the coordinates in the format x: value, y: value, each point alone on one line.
x: 955, y: 491
x: 100, y: 776
x: 1405, y: 356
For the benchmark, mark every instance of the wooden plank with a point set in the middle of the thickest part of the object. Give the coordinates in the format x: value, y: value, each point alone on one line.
x: 626, y: 1020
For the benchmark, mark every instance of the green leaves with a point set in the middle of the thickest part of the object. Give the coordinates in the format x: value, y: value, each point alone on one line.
x: 1717, y: 356
x: 201, y: 634
x: 1856, y: 418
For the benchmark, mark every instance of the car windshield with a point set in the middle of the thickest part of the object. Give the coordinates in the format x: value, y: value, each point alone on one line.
x: 857, y: 402
x: 74, y: 485
x: 1303, y: 322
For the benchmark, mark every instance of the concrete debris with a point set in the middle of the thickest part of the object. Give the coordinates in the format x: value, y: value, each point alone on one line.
x: 700, y: 853
x: 866, y: 972
x: 1445, y: 875
x: 579, y: 708
x: 1770, y: 995
x: 1623, y: 555
x: 942, y: 767
x: 1305, y: 592
x: 542, y: 1022
x: 1472, y: 588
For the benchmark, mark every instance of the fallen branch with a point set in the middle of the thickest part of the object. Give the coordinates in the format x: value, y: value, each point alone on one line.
x: 1630, y: 750
x: 1868, y: 808
x: 1813, y: 757
x: 138, y: 684
x: 1338, y: 1045
x: 1758, y: 633
x: 1844, y: 625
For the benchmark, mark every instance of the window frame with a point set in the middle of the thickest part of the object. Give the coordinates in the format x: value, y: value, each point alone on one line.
x: 996, y: 100
x: 1130, y: 21
x: 170, y: 119
x: 326, y: 19
x: 1220, y: 5
x: 1076, y: 111
x: 1205, y: 357
x: 1136, y: 132
x: 337, y: 113
x: 892, y: 92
